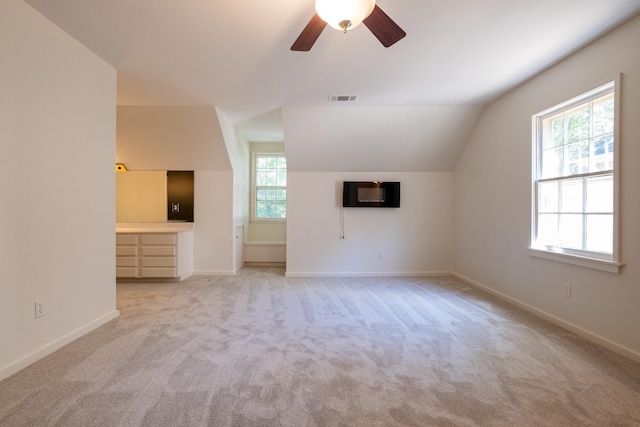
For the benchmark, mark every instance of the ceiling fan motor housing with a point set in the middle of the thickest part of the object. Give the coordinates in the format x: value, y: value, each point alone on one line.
x: 344, y: 15
x: 345, y: 24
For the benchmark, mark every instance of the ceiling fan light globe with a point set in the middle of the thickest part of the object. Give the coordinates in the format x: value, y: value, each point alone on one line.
x: 334, y: 12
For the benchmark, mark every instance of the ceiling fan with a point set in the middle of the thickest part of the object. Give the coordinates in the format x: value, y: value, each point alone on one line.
x: 345, y: 15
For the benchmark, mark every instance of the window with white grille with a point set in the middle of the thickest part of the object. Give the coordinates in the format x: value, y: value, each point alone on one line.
x: 269, y: 199
x: 575, y: 178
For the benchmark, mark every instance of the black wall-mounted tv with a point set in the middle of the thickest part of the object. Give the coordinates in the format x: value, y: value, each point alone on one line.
x: 371, y: 194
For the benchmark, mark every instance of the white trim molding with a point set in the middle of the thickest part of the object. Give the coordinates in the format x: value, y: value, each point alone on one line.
x: 588, y: 335
x: 33, y: 357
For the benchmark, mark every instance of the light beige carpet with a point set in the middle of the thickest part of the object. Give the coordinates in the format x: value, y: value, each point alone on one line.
x: 261, y: 349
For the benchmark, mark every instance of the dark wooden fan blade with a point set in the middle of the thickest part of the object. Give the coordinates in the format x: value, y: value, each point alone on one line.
x: 309, y: 35
x: 383, y: 27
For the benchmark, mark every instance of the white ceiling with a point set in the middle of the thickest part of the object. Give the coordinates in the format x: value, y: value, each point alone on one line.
x: 234, y: 55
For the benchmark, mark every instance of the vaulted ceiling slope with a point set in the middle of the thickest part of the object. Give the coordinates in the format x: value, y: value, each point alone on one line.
x: 234, y: 55
x: 385, y: 139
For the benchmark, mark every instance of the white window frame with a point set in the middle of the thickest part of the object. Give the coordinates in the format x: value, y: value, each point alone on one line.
x: 605, y: 262
x: 253, y: 207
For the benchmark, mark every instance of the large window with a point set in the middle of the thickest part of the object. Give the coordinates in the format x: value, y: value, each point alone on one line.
x: 575, y: 179
x: 269, y: 186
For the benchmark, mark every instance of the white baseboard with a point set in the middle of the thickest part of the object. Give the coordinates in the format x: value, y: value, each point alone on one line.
x: 369, y: 274
x: 597, y: 339
x: 264, y: 264
x: 213, y: 273
x: 33, y: 357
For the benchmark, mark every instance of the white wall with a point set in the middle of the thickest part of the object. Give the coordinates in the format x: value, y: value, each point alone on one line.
x: 213, y: 237
x: 187, y: 138
x: 57, y: 133
x: 141, y: 196
x: 492, y: 200
x: 170, y: 138
x: 271, y: 232
x: 238, y: 151
x: 413, y: 239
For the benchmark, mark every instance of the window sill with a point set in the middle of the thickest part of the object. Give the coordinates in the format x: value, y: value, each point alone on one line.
x: 268, y: 220
x: 256, y: 243
x: 594, y: 263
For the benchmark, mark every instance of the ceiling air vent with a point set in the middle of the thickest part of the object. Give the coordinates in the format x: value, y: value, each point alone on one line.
x: 342, y: 98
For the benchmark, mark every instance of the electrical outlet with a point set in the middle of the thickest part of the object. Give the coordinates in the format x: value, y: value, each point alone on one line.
x: 379, y: 255
x: 567, y: 290
x: 39, y: 306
